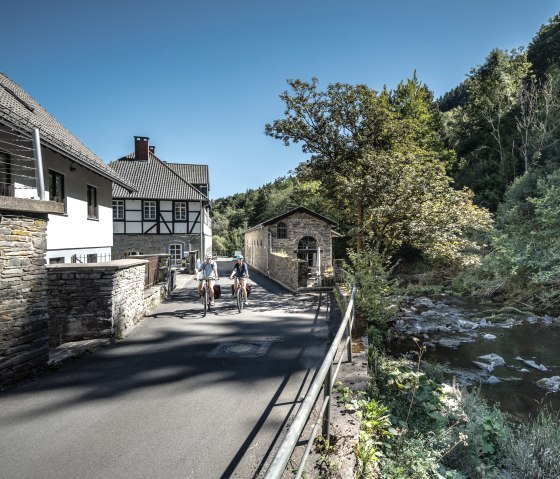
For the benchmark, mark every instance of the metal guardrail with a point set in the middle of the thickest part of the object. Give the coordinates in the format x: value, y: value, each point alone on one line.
x: 323, y: 381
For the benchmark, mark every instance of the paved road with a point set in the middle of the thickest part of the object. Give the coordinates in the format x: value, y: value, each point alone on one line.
x: 181, y: 397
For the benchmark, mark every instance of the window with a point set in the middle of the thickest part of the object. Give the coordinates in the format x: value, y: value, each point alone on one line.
x: 149, y: 210
x: 6, y: 186
x: 307, y: 242
x: 181, y: 211
x: 118, y: 209
x: 56, y: 186
x: 282, y: 231
x: 92, y: 211
x: 92, y: 258
x: 176, y: 252
x: 58, y: 260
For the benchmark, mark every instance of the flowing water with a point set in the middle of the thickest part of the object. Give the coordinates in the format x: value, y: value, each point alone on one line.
x: 459, y: 333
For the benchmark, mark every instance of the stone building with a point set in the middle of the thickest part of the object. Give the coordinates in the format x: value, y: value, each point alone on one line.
x: 294, y: 249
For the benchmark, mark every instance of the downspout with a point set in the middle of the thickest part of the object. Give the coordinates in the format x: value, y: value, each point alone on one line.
x: 38, y: 164
x: 201, y: 232
x: 269, y: 252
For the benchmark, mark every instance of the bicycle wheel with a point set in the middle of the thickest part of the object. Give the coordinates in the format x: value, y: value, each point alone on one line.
x: 239, y: 299
x: 204, y: 301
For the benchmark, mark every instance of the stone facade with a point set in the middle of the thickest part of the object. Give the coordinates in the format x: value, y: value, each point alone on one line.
x: 280, y: 256
x: 24, y: 334
x: 94, y: 300
x: 151, y: 244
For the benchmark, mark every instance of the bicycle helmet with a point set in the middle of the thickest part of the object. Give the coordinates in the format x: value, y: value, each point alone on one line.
x: 239, y: 256
x: 208, y: 256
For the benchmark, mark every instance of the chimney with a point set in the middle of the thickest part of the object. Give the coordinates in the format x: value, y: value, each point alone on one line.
x: 152, y: 150
x: 141, y: 148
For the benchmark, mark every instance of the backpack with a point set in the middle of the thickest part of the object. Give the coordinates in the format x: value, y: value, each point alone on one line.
x: 217, y: 291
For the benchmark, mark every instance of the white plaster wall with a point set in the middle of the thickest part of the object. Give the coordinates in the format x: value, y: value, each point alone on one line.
x: 74, y: 230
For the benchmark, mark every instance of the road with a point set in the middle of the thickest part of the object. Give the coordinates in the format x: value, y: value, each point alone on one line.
x: 181, y: 396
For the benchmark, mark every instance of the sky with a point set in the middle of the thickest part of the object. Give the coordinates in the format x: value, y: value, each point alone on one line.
x: 202, y: 79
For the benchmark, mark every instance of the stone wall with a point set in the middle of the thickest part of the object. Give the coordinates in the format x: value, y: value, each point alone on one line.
x: 151, y: 243
x: 299, y: 225
x: 94, y: 300
x: 284, y: 270
x: 256, y: 249
x: 24, y: 334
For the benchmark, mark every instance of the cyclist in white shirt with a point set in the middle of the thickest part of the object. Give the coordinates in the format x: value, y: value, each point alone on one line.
x: 207, y: 270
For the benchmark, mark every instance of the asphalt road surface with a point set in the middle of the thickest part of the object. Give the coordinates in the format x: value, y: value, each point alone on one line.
x: 181, y: 397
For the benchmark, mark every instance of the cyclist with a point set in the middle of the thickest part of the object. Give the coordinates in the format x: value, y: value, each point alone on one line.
x: 208, y: 269
x: 240, y: 274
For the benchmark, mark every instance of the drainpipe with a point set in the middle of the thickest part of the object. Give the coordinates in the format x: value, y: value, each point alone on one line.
x: 38, y: 164
x: 269, y: 252
x: 201, y: 232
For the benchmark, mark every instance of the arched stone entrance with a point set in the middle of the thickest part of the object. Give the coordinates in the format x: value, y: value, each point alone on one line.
x: 309, y: 261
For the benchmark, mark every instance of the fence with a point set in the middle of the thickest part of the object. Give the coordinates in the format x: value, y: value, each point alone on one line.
x: 91, y: 258
x: 324, y: 380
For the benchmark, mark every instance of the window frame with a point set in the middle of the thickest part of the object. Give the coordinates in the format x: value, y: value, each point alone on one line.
x: 149, y: 206
x: 282, y: 230
x: 118, y: 205
x: 53, y: 187
x: 181, y: 208
x: 176, y: 261
x: 92, y: 203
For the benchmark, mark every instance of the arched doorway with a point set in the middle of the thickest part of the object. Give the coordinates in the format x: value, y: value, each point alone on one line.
x: 308, y: 255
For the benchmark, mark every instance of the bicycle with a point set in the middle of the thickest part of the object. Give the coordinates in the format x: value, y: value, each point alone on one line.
x: 240, y: 301
x: 205, y: 298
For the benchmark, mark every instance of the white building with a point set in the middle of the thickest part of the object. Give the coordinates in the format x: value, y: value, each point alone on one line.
x: 70, y: 174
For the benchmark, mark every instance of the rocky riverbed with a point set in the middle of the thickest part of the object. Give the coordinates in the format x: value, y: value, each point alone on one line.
x: 512, y: 354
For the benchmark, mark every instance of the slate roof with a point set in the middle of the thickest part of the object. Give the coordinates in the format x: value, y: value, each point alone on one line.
x: 194, y: 174
x: 21, y: 111
x: 154, y: 179
x: 299, y: 209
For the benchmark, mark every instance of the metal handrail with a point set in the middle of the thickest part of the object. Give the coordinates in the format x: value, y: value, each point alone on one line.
x: 323, y: 381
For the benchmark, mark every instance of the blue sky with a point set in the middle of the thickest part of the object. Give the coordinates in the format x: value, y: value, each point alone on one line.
x: 201, y: 79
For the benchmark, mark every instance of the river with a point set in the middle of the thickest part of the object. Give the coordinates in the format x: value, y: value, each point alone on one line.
x: 473, y: 337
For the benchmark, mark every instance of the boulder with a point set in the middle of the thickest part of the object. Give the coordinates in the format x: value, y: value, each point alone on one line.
x: 550, y: 384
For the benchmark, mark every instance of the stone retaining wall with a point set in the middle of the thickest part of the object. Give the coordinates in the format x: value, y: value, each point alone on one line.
x: 285, y: 270
x: 24, y: 335
x: 94, y: 300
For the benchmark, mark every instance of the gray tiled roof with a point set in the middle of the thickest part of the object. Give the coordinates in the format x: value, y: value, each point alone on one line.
x: 298, y: 209
x: 153, y: 179
x: 194, y: 174
x: 21, y: 111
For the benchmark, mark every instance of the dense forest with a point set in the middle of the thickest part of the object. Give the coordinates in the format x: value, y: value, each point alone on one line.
x: 466, y: 185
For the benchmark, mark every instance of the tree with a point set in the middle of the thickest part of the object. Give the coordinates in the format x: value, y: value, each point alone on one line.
x: 483, y: 130
x: 380, y: 157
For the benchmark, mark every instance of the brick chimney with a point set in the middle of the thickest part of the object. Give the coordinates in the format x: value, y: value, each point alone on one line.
x: 141, y: 147
x: 152, y: 150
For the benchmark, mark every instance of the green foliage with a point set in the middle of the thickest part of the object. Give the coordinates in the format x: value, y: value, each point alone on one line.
x: 483, y: 129
x: 375, y: 289
x: 534, y: 448
x: 544, y: 50
x: 525, y: 255
x: 380, y: 158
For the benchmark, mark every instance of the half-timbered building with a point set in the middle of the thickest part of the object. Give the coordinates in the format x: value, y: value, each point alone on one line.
x: 168, y: 212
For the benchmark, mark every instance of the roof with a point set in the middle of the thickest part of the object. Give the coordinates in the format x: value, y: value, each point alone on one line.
x: 22, y: 112
x: 194, y: 174
x: 154, y: 179
x: 299, y: 209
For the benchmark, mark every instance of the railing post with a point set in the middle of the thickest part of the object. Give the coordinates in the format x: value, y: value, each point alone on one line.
x: 327, y: 391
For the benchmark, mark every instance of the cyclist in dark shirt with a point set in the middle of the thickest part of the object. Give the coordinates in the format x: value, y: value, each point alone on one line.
x: 240, y: 274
